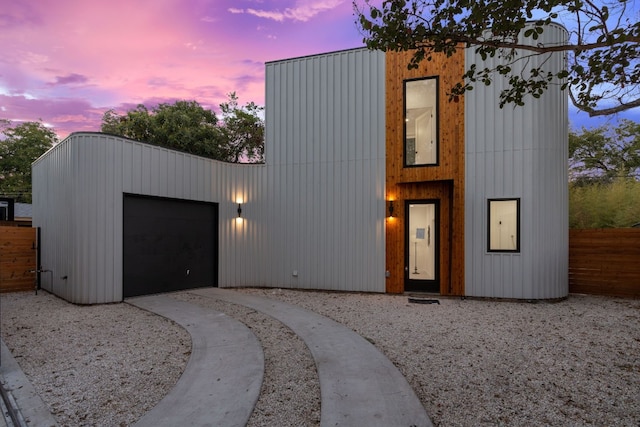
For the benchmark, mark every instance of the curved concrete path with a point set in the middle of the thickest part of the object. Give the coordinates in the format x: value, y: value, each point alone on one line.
x: 359, y: 386
x: 221, y: 383
x: 220, y: 386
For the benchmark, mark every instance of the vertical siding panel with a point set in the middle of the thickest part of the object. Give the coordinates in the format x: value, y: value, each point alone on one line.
x: 89, y: 189
x: 326, y: 216
x: 116, y: 200
x: 511, y: 149
x: 127, y: 167
x: 99, y: 226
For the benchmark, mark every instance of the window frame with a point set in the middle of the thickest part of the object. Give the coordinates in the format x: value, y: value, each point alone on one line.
x: 436, y: 122
x: 489, y: 225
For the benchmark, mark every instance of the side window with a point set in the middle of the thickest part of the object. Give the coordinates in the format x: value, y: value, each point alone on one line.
x: 421, y: 122
x: 504, y: 225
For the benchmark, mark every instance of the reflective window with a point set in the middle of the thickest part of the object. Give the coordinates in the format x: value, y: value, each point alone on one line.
x: 421, y: 122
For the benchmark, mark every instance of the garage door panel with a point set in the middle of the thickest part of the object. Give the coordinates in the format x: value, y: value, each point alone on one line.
x: 168, y: 245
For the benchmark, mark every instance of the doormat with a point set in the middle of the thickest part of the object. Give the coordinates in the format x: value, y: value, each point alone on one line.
x: 423, y: 300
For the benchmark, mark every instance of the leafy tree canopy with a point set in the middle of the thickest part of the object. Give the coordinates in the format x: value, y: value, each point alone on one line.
x: 605, y: 153
x: 603, y: 68
x: 243, y: 130
x: 187, y: 126
x: 21, y: 145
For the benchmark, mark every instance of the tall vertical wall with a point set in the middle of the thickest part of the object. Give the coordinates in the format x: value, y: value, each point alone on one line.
x: 325, y: 126
x: 518, y: 152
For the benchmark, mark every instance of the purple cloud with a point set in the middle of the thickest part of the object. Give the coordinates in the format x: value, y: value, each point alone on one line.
x: 303, y: 11
x: 69, y: 79
x: 63, y: 115
x: 15, y: 14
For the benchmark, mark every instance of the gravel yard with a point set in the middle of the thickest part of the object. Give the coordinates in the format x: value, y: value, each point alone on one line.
x: 471, y: 362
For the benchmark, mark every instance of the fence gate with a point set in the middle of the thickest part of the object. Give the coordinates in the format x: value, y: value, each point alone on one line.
x: 17, y: 259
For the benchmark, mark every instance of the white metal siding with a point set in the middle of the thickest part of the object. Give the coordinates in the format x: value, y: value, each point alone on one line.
x: 78, y: 196
x: 326, y: 173
x: 518, y: 152
x: 316, y: 207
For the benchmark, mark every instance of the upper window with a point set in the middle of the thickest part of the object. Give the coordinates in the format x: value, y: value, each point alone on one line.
x: 504, y: 225
x: 421, y: 122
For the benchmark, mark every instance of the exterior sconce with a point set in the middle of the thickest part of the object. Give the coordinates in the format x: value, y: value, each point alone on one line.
x: 239, y: 219
x: 390, y: 208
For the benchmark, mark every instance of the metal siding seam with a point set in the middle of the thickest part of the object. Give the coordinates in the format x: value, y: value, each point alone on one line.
x: 117, y: 219
x: 86, y: 236
x: 100, y: 226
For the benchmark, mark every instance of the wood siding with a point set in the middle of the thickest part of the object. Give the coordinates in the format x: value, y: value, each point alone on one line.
x: 17, y: 259
x: 605, y: 262
x: 444, y: 181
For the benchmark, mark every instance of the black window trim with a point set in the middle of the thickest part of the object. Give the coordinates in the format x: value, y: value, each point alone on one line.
x: 518, y: 214
x: 404, y: 122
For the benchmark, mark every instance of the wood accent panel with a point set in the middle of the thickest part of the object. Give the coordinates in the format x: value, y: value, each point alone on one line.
x: 9, y: 224
x: 17, y: 258
x: 605, y: 262
x: 451, y: 238
x: 444, y: 181
x: 451, y: 118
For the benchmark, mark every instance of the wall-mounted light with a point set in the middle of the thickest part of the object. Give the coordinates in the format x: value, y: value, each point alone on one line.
x: 390, y: 208
x: 239, y: 200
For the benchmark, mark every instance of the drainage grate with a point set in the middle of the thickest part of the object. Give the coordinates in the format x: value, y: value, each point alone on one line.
x: 423, y: 300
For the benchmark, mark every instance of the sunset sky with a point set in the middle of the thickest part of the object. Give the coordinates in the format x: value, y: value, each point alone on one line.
x: 68, y: 61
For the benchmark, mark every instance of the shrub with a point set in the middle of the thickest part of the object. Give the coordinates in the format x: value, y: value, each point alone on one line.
x: 604, y: 205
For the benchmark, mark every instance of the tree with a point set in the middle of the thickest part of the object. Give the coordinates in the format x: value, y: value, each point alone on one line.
x: 603, y: 68
x: 20, y: 146
x: 187, y: 126
x: 184, y: 125
x: 244, y: 130
x: 603, y: 154
x: 135, y: 124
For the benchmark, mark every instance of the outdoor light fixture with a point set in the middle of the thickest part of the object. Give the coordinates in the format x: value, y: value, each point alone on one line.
x: 390, y: 208
x: 239, y: 210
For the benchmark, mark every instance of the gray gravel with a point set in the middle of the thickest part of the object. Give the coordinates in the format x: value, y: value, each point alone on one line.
x: 101, y: 365
x: 471, y: 362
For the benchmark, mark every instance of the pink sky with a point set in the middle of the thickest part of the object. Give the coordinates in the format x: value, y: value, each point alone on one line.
x: 68, y: 61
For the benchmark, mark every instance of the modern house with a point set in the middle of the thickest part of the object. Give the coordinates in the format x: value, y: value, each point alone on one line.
x: 373, y: 181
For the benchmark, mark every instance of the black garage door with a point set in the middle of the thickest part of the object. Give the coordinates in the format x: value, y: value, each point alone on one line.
x: 168, y: 245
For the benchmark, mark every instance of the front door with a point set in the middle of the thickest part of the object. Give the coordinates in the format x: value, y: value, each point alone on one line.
x: 421, y: 269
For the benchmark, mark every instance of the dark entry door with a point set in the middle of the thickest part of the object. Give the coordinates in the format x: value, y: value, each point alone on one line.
x: 421, y: 260
x: 168, y: 245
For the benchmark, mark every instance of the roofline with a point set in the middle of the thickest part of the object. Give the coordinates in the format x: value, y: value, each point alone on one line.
x: 333, y: 52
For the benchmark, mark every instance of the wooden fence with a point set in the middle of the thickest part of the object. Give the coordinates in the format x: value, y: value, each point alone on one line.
x: 605, y: 262
x: 17, y: 258
x: 601, y: 261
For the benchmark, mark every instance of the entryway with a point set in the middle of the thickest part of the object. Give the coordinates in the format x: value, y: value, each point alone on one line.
x: 422, y: 270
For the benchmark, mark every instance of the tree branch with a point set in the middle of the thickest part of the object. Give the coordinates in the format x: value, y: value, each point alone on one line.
x: 537, y: 48
x: 604, y: 111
